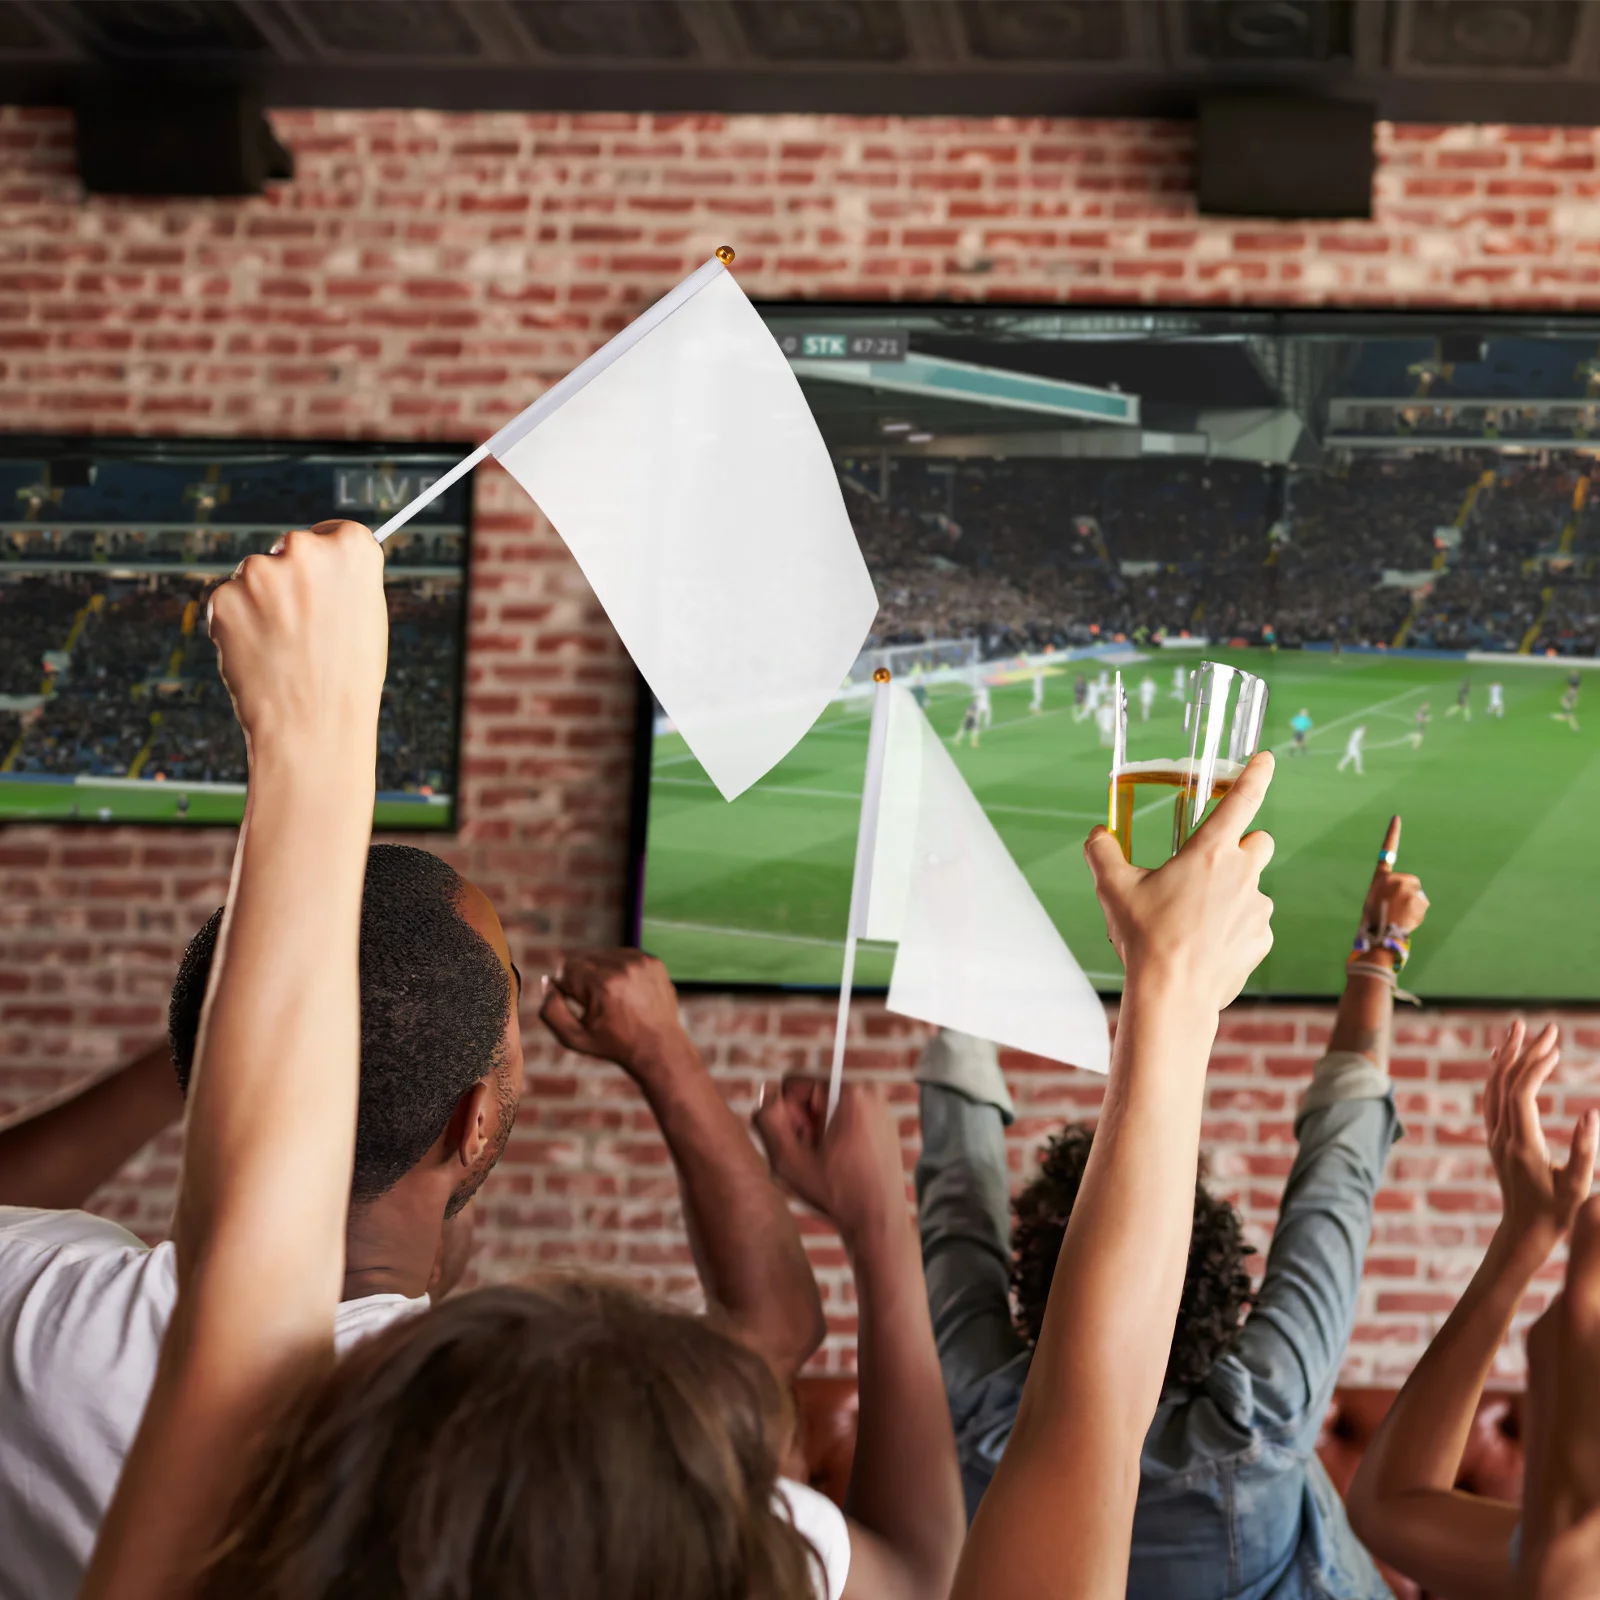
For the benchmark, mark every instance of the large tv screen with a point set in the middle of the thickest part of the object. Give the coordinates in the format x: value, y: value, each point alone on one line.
x: 1390, y: 517
x: 111, y: 708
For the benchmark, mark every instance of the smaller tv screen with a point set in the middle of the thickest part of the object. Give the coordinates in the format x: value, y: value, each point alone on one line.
x: 111, y: 706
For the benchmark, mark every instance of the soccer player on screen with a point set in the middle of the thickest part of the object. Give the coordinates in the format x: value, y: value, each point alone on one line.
x: 1080, y: 698
x: 1424, y: 717
x: 1300, y: 726
x: 1147, y: 696
x: 1036, y: 704
x: 1463, y: 701
x: 1180, y: 684
x: 1569, y: 704
x: 1352, y: 751
x: 1105, y: 717
x: 1497, y: 702
x: 969, y: 724
x: 985, y: 706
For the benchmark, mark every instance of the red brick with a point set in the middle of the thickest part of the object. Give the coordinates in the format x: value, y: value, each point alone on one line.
x: 426, y: 275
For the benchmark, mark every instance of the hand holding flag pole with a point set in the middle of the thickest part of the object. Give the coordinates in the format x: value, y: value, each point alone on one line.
x: 861, y: 882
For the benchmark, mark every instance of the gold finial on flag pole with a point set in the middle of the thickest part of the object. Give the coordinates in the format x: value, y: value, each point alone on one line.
x: 881, y: 675
x: 725, y: 254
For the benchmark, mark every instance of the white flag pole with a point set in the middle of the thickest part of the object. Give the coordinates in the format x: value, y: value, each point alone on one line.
x: 558, y: 394
x: 861, y: 883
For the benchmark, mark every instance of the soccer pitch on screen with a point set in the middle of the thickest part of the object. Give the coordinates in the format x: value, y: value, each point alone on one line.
x: 87, y: 799
x: 1499, y: 815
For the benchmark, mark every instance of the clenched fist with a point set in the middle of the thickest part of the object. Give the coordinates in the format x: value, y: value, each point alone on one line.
x: 302, y: 639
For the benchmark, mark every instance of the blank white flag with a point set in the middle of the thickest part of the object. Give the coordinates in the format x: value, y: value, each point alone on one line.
x: 977, y: 952
x: 688, y: 478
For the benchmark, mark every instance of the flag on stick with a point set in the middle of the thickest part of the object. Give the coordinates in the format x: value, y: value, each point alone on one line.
x: 683, y: 468
x: 976, y: 951
x: 861, y: 882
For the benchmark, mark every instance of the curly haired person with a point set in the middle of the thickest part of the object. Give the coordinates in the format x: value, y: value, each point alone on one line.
x: 1232, y: 1502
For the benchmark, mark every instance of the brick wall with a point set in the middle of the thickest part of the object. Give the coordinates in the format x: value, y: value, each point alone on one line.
x: 428, y: 274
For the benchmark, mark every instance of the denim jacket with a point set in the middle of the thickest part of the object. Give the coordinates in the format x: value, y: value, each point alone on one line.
x: 1233, y: 1502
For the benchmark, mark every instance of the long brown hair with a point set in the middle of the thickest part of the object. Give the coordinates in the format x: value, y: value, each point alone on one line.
x: 566, y: 1441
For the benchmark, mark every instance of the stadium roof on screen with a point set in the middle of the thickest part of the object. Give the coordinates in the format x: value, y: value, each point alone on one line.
x: 1278, y: 388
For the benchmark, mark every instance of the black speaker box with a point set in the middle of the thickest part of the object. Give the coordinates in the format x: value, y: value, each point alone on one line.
x: 176, y: 138
x: 1284, y: 155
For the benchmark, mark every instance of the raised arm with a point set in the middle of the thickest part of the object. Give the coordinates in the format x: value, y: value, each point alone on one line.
x: 620, y: 1005
x: 1057, y: 1519
x: 301, y: 637
x: 1296, y: 1335
x: 1560, y: 1558
x: 905, y: 1500
x: 53, y: 1157
x: 1403, y: 1502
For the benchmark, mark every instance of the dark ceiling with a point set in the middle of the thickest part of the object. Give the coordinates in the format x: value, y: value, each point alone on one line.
x: 1417, y: 60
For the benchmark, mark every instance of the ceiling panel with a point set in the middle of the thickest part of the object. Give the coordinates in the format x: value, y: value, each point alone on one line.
x: 1417, y: 60
x: 429, y: 30
x: 823, y: 30
x: 1494, y: 36
x: 167, y: 28
x: 629, y: 30
x: 1045, y: 30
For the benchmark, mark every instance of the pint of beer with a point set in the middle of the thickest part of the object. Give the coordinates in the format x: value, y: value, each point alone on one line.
x: 1223, y: 718
x: 1154, y: 776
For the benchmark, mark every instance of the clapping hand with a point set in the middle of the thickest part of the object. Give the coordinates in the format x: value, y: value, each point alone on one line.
x: 1540, y: 1198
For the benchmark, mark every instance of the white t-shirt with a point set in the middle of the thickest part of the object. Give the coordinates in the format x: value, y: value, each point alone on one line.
x: 822, y: 1522
x: 83, y: 1307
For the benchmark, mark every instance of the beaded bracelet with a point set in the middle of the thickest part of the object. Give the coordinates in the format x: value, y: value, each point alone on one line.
x: 1393, y: 939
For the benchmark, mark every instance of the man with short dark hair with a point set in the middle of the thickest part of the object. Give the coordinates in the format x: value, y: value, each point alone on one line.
x: 1233, y: 1503
x: 83, y: 1304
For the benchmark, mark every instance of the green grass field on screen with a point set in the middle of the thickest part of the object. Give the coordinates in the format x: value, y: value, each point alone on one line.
x: 85, y: 800
x: 1500, y: 821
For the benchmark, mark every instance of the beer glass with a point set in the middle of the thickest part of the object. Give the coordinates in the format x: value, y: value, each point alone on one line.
x: 1223, y: 719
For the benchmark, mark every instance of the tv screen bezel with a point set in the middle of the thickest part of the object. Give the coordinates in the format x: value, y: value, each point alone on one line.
x: 1349, y: 320
x: 14, y: 442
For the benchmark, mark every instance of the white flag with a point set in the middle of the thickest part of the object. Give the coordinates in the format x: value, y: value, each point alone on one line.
x: 977, y: 952
x: 683, y: 468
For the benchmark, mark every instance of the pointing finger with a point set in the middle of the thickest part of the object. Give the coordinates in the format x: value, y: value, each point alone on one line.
x: 1237, y: 809
x: 1391, y: 845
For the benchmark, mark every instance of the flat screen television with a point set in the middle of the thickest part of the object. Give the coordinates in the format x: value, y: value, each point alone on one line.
x: 1391, y: 517
x: 111, y: 707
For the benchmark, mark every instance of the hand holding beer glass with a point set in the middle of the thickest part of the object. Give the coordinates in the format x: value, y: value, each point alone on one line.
x: 1223, y: 718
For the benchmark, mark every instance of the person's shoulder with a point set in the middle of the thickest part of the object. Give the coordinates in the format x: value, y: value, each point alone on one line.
x: 356, y: 1320
x: 64, y: 1233
x: 822, y: 1525
x: 80, y: 1297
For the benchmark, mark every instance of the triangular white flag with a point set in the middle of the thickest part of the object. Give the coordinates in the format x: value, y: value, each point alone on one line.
x: 977, y: 952
x: 683, y: 468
